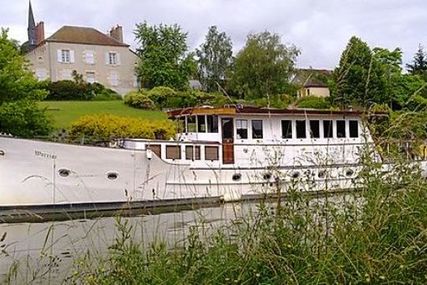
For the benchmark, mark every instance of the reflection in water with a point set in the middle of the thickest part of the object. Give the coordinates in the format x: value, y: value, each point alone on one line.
x: 40, y: 252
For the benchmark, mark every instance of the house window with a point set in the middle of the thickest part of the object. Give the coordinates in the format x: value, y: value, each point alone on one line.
x: 89, y: 57
x: 114, y: 78
x: 286, y: 129
x: 212, y: 124
x: 65, y: 56
x: 314, y: 129
x: 41, y: 73
x: 90, y: 77
x: 201, y: 124
x: 112, y: 58
x: 340, y: 129
x: 242, y: 129
x: 327, y: 129
x: 354, y: 128
x: 301, y: 129
x: 257, y: 129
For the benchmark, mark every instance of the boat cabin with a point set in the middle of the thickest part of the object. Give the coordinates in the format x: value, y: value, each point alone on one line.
x: 232, y: 134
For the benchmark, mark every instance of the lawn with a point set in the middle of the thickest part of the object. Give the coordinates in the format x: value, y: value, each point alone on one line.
x: 63, y: 113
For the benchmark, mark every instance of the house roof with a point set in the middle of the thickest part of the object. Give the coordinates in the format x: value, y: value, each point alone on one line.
x: 83, y: 35
x: 308, y: 77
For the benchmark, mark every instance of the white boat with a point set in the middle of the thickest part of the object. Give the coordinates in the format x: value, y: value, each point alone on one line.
x: 221, y: 154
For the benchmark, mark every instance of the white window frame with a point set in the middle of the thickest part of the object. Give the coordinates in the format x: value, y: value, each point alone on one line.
x: 87, y: 77
x: 90, y: 57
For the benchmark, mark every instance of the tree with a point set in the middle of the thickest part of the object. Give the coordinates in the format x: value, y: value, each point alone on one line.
x: 164, y: 60
x: 214, y: 59
x: 263, y: 67
x: 419, y: 63
x: 19, y: 91
x: 359, y: 77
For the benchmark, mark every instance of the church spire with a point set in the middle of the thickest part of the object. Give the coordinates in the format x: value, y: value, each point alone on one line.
x: 31, y: 27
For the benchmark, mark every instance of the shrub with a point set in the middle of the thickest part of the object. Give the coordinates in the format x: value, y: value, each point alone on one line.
x: 24, y: 118
x: 139, y: 100
x: 313, y: 102
x: 107, y: 127
x: 276, y: 101
x: 79, y: 90
x: 160, y: 95
x: 101, y: 93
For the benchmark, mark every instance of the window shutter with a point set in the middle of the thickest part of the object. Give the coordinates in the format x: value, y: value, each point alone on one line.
x: 107, y: 58
x: 71, y: 56
x: 59, y: 55
x: 118, y: 58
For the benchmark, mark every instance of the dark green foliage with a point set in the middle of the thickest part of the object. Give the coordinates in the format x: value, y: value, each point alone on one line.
x: 19, y: 90
x: 263, y: 67
x: 214, y: 59
x: 23, y: 118
x: 79, y: 90
x: 313, y: 102
x: 276, y: 101
x: 139, y: 100
x: 359, y: 76
x: 419, y: 63
x: 164, y: 60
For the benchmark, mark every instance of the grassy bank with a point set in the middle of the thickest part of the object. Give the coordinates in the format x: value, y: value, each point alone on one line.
x: 63, y: 113
x: 378, y: 236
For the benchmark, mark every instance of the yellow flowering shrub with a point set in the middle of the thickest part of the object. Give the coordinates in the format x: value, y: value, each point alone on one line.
x: 107, y: 127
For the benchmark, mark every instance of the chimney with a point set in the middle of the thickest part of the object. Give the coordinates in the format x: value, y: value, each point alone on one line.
x: 39, y: 33
x: 117, y: 33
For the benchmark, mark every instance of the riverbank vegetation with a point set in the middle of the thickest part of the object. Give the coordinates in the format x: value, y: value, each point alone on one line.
x: 376, y: 235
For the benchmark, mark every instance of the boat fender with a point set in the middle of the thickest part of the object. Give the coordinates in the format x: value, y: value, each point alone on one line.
x: 149, y: 154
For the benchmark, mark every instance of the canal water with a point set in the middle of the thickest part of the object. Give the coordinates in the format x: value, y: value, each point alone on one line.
x: 45, y: 253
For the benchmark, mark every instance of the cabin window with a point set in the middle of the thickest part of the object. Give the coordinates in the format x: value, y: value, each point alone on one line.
x: 173, y: 152
x: 191, y: 124
x: 156, y: 148
x: 181, y: 125
x: 301, y: 130
x: 286, y: 129
x: 211, y: 153
x: 314, y: 129
x: 192, y: 152
x: 242, y: 129
x: 212, y: 124
x: 327, y: 129
x: 201, y: 124
x: 340, y: 129
x: 354, y: 128
x: 257, y: 129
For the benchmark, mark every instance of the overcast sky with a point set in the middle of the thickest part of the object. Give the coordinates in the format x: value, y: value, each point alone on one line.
x: 319, y: 28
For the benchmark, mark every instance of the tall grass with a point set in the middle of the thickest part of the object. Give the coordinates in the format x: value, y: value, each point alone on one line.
x: 376, y: 235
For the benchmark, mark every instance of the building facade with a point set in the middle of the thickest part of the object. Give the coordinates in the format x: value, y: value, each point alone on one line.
x: 97, y: 56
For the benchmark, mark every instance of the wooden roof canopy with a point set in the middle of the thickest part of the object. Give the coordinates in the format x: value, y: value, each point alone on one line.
x: 232, y: 110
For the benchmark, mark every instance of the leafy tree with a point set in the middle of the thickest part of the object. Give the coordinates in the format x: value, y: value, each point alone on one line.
x: 263, y: 66
x: 214, y: 59
x: 359, y: 76
x: 164, y: 60
x: 419, y: 63
x: 19, y: 91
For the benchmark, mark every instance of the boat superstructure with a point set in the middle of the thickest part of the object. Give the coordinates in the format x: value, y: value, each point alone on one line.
x: 229, y: 153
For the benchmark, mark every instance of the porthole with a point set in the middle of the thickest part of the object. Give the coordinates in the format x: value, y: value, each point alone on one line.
x: 321, y: 174
x: 1, y: 153
x: 64, y: 172
x: 237, y: 177
x: 112, y: 175
x: 267, y: 176
x: 295, y: 175
x: 349, y: 172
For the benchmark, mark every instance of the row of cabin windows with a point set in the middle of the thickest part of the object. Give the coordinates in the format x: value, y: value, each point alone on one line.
x: 314, y: 129
x: 192, y: 152
x: 199, y: 124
